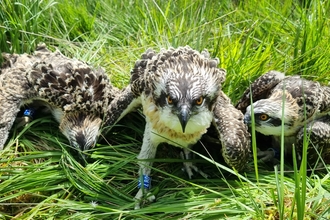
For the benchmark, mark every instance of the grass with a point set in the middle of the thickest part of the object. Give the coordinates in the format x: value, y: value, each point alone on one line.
x: 39, y: 179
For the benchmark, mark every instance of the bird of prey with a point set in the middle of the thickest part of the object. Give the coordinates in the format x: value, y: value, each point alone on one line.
x: 76, y: 94
x: 299, y: 105
x: 180, y: 93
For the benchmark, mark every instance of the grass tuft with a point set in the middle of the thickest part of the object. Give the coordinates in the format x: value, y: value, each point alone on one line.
x: 40, y: 179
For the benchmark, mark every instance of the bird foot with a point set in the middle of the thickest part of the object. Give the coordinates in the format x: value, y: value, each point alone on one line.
x: 189, y: 167
x: 268, y: 155
x: 139, y: 196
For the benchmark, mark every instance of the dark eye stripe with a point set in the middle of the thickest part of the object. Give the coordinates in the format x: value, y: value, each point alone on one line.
x: 276, y: 122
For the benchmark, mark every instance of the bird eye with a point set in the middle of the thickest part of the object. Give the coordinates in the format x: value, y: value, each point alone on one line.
x: 169, y: 100
x: 263, y: 117
x: 199, y: 101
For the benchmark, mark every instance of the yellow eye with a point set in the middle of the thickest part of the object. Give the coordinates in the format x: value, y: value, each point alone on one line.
x: 169, y: 100
x: 263, y: 117
x: 199, y: 101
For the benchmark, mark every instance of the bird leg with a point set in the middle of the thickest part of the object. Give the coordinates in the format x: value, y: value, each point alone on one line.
x: 29, y: 112
x: 22, y: 121
x: 271, y: 155
x: 26, y: 118
x: 148, y: 151
x: 189, y: 166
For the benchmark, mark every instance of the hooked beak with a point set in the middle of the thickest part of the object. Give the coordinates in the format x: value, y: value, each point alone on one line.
x: 247, y: 119
x: 78, y: 150
x: 184, y: 116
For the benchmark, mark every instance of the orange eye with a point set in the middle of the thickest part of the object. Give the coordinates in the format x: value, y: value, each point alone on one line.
x: 199, y: 101
x: 263, y: 117
x: 169, y: 100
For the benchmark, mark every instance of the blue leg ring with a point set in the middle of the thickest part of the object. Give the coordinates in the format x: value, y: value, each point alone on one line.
x: 146, y: 182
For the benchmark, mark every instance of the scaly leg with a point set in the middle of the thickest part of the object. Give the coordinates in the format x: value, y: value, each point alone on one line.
x: 148, y: 151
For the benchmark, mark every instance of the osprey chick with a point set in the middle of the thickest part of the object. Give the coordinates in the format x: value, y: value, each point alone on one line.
x: 76, y: 94
x: 180, y: 93
x: 303, y: 103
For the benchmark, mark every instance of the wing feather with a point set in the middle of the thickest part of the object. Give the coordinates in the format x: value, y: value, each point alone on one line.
x: 260, y: 89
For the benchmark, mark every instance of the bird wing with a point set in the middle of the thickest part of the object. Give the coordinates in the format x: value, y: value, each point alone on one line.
x: 64, y: 83
x: 310, y: 96
x: 260, y: 89
x: 70, y: 83
x: 142, y: 71
x: 121, y: 105
x: 13, y: 88
x: 233, y: 133
x: 129, y: 98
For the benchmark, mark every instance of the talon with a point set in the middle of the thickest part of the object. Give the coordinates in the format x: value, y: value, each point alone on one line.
x: 189, y: 166
x: 151, y: 197
x: 139, y: 197
x: 268, y: 155
x: 137, y: 205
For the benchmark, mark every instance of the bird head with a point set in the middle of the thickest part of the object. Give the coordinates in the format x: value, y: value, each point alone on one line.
x: 268, y: 115
x: 182, y: 102
x: 185, y: 86
x: 81, y: 130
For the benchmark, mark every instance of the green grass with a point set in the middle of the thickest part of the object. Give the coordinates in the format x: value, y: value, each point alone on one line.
x: 39, y: 178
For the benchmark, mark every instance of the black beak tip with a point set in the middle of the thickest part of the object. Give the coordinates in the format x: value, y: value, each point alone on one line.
x: 183, y: 128
x: 183, y: 124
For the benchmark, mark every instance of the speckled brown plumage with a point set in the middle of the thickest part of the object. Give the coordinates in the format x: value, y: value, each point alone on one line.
x: 180, y: 93
x: 233, y: 134
x: 262, y: 87
x: 305, y: 103
x: 76, y: 94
